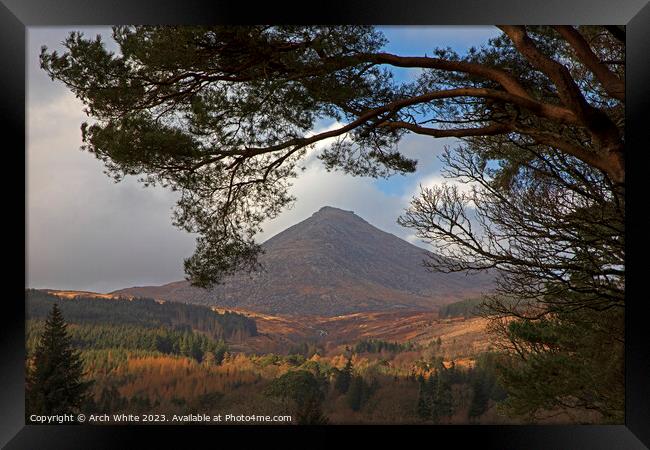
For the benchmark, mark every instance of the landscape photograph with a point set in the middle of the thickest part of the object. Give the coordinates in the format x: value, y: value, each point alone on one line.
x: 325, y: 225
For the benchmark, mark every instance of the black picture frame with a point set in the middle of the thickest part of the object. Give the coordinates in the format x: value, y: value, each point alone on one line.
x: 17, y: 15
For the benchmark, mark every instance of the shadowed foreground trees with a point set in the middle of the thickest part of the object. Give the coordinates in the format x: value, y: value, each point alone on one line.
x: 55, y: 382
x: 304, y: 391
x: 225, y: 115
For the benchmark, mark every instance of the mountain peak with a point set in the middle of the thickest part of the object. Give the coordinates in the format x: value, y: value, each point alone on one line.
x: 333, y: 263
x: 328, y: 210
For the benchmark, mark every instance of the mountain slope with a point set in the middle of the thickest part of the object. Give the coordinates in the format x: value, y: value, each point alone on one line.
x: 329, y: 264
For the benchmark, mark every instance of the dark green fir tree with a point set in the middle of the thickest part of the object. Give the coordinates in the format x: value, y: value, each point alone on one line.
x: 344, y: 377
x: 424, y: 399
x: 55, y: 383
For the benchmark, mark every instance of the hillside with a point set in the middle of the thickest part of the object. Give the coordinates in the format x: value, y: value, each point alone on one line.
x: 462, y: 338
x: 332, y: 263
x: 92, y: 309
x: 103, y: 320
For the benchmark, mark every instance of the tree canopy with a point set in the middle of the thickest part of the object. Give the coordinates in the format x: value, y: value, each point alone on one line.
x: 225, y: 115
x: 304, y: 391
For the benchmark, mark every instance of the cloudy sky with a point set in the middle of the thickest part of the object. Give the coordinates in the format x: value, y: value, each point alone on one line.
x: 86, y: 232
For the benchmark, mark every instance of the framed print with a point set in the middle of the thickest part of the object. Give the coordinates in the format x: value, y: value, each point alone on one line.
x: 371, y: 219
